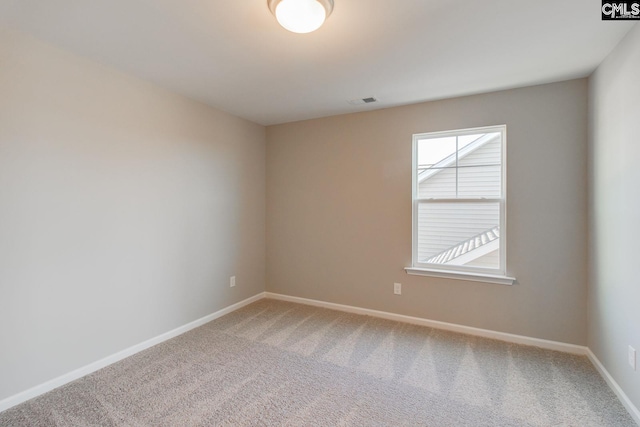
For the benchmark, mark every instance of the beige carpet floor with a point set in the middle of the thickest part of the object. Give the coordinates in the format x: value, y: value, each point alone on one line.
x: 274, y: 363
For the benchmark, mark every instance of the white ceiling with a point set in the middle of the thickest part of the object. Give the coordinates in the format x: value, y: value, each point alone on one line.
x: 233, y: 55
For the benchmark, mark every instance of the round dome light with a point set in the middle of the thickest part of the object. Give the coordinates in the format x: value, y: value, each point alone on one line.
x: 301, y: 16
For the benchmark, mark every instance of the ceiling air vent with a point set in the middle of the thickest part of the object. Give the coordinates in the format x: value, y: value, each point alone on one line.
x: 368, y: 100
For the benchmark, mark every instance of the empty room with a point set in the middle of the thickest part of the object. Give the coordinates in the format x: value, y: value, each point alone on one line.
x: 319, y: 213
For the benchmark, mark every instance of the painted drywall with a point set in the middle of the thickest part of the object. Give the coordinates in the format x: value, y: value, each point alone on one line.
x: 614, y: 207
x: 339, y: 212
x: 124, y: 209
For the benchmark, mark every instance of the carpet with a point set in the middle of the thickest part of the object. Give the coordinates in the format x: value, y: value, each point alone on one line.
x: 275, y: 363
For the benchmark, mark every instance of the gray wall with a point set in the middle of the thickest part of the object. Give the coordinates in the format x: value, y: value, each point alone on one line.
x: 339, y: 211
x: 124, y: 209
x: 614, y: 285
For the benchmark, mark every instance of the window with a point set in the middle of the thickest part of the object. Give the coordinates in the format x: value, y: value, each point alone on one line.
x: 459, y: 203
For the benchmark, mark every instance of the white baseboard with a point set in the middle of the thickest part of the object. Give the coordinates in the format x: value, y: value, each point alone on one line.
x: 92, y: 367
x: 622, y: 396
x: 486, y: 333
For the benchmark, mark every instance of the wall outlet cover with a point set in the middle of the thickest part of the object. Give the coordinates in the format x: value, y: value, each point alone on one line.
x: 397, y: 288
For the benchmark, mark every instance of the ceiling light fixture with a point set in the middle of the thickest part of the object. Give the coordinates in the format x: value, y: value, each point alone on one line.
x: 301, y: 16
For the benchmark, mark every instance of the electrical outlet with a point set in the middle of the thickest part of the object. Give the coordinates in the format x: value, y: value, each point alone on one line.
x: 232, y: 281
x: 397, y: 288
x: 632, y: 357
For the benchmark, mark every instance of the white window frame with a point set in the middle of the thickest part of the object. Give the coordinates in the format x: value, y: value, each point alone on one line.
x: 452, y: 271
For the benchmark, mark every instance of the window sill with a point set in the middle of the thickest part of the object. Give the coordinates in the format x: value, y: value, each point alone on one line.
x: 459, y: 275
